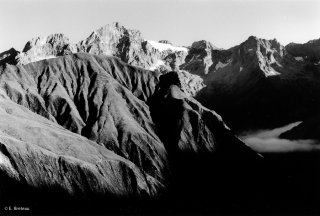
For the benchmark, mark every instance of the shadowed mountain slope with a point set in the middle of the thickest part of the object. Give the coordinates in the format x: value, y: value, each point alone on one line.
x: 202, y: 150
x: 189, y: 127
x: 309, y: 51
x: 261, y: 85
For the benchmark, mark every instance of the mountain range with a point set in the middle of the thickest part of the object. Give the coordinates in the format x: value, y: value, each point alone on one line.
x: 116, y: 115
x: 286, y: 76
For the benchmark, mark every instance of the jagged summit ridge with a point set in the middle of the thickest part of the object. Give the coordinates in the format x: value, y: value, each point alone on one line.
x: 40, y: 48
x: 267, y: 54
x: 202, y: 59
x: 58, y: 40
x: 114, y: 40
x: 203, y: 44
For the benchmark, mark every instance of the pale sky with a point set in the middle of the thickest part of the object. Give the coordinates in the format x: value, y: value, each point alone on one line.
x: 224, y: 23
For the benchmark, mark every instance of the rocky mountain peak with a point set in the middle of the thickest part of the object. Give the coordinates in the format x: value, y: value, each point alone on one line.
x: 263, y: 45
x: 40, y: 48
x: 275, y: 44
x: 200, y: 58
x: 252, y: 38
x: 11, y: 50
x: 264, y: 54
x: 53, y: 39
x: 203, y: 44
x: 106, y: 34
x: 250, y: 43
x: 114, y: 28
x: 8, y: 56
x: 116, y: 40
x: 58, y: 39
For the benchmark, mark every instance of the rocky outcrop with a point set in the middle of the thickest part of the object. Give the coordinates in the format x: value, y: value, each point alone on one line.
x: 116, y: 40
x: 200, y: 58
x: 190, y: 84
x: 129, y: 46
x: 190, y: 127
x: 40, y: 48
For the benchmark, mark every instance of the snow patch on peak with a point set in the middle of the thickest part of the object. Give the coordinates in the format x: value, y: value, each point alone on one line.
x: 164, y: 47
x: 25, y: 59
x: 39, y: 58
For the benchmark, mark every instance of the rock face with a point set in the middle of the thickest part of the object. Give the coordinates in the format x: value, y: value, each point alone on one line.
x: 190, y: 127
x: 112, y: 40
x: 261, y: 85
x: 118, y: 41
x: 44, y: 48
x: 190, y: 84
x: 129, y: 46
x: 202, y: 57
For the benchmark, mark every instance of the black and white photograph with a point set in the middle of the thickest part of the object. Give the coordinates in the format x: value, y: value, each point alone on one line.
x: 159, y: 107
